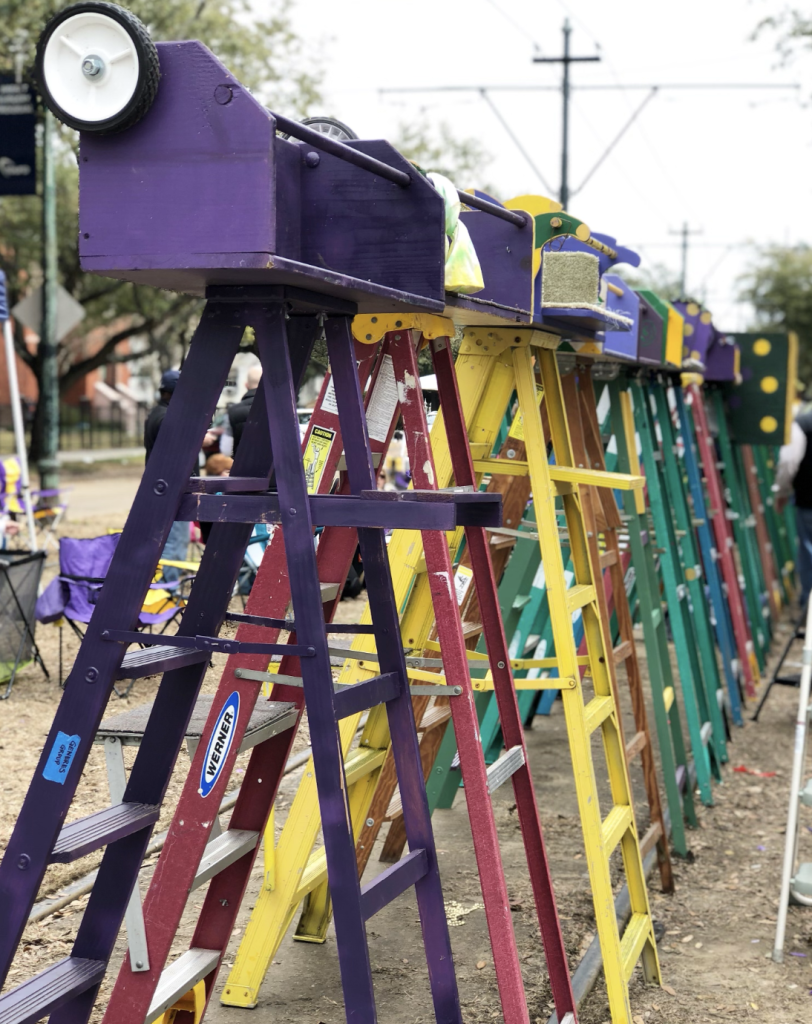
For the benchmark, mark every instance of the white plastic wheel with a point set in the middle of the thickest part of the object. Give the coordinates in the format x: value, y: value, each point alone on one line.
x: 331, y: 127
x: 91, y: 67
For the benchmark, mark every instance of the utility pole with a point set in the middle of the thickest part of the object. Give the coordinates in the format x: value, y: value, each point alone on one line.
x: 565, y: 60
x: 685, y: 232
x: 48, y: 464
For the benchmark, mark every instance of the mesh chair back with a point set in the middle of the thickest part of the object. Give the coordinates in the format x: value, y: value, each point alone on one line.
x: 20, y: 573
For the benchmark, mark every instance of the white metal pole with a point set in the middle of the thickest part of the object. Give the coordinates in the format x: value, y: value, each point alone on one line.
x: 19, y: 431
x: 790, y: 846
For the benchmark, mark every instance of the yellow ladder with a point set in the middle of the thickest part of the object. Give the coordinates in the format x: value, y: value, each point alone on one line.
x: 602, y: 834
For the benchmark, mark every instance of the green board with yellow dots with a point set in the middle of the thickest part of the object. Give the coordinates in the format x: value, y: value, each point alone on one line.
x: 760, y: 403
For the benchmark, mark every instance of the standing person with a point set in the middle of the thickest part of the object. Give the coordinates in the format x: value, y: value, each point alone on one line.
x: 238, y: 413
x: 794, y: 476
x: 176, y: 548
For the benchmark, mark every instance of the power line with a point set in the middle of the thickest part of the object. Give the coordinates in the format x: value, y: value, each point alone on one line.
x: 515, y: 139
x: 617, y: 139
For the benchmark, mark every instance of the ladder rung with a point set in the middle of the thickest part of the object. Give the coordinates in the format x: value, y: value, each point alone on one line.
x: 608, y: 558
x: 579, y: 595
x: 597, y: 478
x: 223, y: 851
x: 597, y: 711
x: 635, y: 745
x: 179, y: 977
x: 622, y: 651
x: 392, y: 882
x: 49, y: 989
x: 505, y: 766
x: 149, y: 661
x: 101, y: 828
x: 705, y: 733
x: 361, y: 761
x: 634, y: 938
x: 668, y: 697
x: 361, y: 696
x: 615, y: 825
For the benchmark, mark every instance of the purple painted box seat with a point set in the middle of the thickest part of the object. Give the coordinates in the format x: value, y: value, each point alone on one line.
x: 723, y: 358
x: 202, y: 192
x: 622, y: 345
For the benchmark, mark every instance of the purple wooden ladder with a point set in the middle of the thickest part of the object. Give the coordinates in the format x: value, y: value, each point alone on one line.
x: 68, y: 989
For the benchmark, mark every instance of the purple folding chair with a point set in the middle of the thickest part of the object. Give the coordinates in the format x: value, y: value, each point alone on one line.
x: 72, y: 595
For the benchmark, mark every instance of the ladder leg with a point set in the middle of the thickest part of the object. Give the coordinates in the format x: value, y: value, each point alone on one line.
x: 208, y: 603
x: 402, y: 726
x: 297, y: 531
x: 91, y: 680
x: 513, y: 732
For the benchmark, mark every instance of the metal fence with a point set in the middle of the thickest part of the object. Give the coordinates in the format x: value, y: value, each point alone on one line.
x: 84, y: 426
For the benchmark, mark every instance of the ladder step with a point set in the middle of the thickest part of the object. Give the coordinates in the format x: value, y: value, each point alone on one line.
x: 634, y: 938
x: 668, y: 697
x: 505, y: 766
x: 597, y: 711
x: 99, y: 829
x: 49, y: 989
x: 596, y: 478
x: 434, y: 717
x: 392, y: 882
x: 608, y: 558
x: 622, y: 651
x: 651, y: 838
x: 615, y: 825
x: 579, y: 595
x: 223, y: 851
x: 179, y: 977
x: 705, y: 733
x: 635, y: 745
x: 152, y: 660
x: 329, y: 591
x: 361, y: 696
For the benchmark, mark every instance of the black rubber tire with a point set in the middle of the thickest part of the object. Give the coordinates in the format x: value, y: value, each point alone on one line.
x: 149, y: 69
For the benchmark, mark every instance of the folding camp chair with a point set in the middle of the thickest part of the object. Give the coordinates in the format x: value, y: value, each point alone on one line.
x: 20, y: 573
x: 71, y: 596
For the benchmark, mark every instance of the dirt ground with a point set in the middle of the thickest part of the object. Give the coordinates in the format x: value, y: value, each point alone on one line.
x: 719, y: 924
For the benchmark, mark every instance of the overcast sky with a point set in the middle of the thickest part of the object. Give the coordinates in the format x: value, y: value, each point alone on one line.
x: 734, y: 164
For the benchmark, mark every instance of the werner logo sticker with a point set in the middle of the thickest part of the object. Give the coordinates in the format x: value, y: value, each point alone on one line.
x: 61, y: 758
x: 219, y: 744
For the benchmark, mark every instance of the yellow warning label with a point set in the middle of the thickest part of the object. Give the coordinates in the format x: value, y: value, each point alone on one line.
x: 315, y: 456
x: 517, y: 426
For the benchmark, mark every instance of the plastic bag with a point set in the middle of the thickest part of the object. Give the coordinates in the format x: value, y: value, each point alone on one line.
x: 463, y: 272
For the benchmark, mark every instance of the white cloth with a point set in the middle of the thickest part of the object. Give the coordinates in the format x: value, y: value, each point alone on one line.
x: 790, y: 458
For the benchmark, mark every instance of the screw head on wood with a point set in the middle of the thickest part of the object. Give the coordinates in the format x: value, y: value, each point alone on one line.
x: 223, y: 95
x: 160, y: 487
x: 500, y: 664
x: 91, y: 675
x: 312, y: 159
x: 370, y: 822
x: 23, y: 862
x: 292, y: 511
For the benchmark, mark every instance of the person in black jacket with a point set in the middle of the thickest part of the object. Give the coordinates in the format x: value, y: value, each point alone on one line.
x: 177, y: 543
x: 238, y: 413
x: 156, y: 416
x: 793, y: 478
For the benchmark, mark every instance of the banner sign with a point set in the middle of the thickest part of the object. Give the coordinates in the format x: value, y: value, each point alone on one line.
x: 18, y: 152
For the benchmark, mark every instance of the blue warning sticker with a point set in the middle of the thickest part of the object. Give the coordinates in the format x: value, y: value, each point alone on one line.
x: 61, y: 758
x: 219, y: 744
